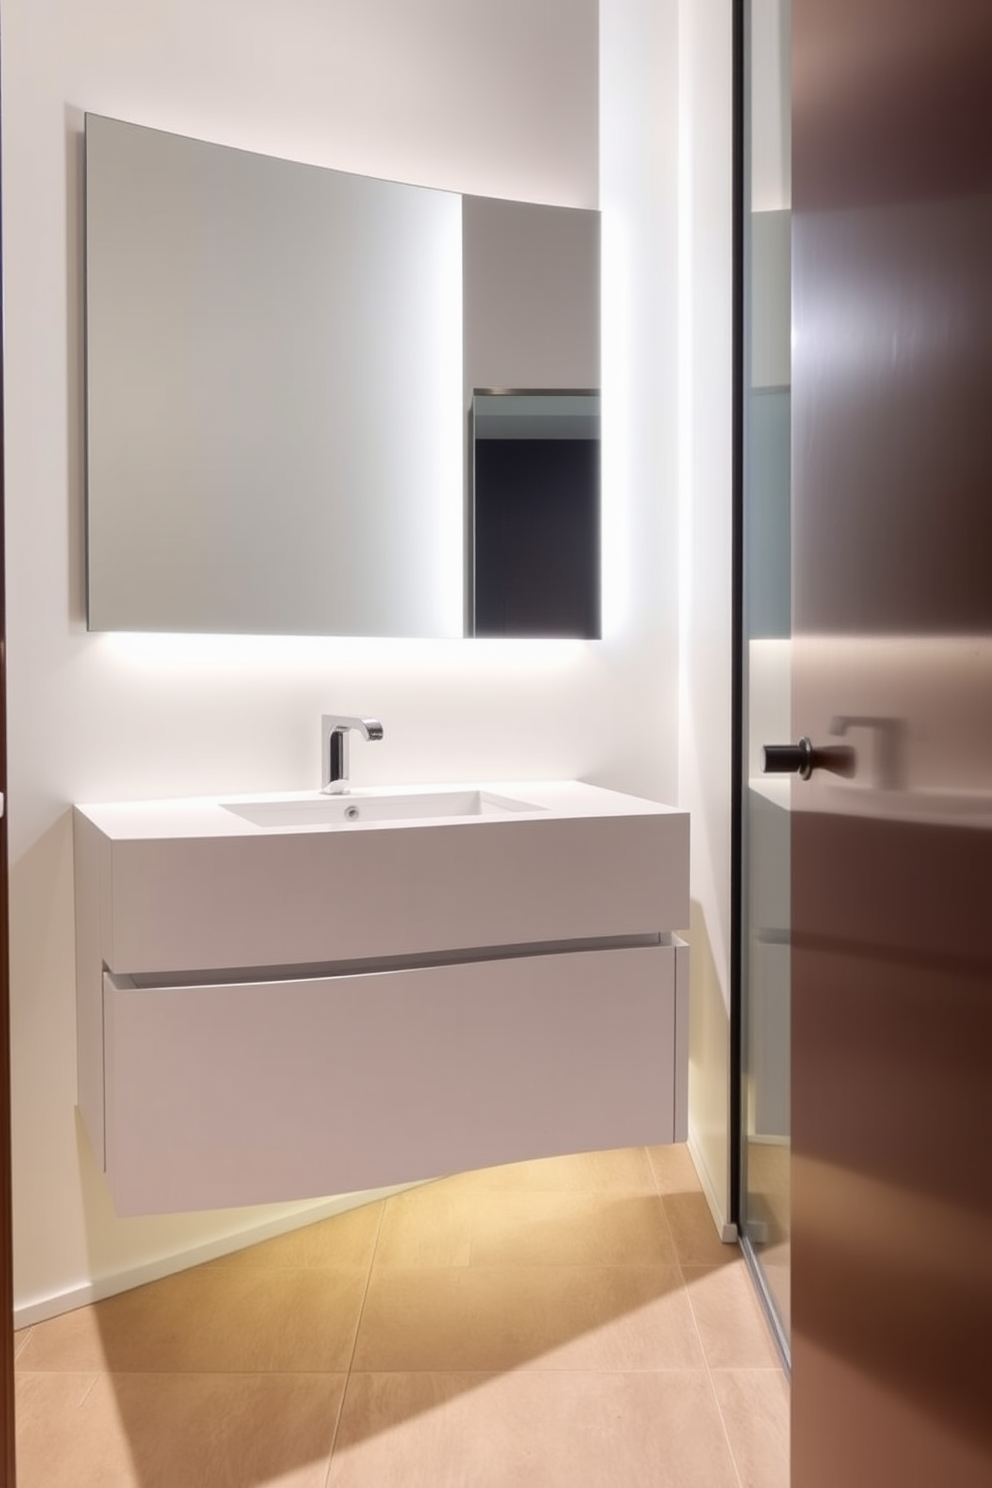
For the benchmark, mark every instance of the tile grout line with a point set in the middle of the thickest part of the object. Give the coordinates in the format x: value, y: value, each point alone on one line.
x: 93, y: 1384
x: 699, y: 1337
x: 21, y: 1344
x: 692, y: 1312
x: 723, y: 1424
x: 709, y: 1380
x: 651, y: 1170
x: 664, y: 1213
x: 675, y: 1256
x: 354, y: 1346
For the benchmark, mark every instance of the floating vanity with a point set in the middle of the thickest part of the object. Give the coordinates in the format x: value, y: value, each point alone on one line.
x: 282, y: 997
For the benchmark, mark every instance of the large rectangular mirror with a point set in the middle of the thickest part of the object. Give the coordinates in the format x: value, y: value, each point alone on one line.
x: 277, y: 357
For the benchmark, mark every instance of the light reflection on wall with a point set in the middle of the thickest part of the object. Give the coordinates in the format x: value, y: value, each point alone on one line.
x: 254, y: 655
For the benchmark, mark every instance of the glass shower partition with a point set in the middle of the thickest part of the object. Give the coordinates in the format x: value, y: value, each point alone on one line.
x: 766, y: 662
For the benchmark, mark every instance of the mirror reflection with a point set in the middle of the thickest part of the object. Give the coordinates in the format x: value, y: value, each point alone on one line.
x: 536, y: 513
x: 277, y: 359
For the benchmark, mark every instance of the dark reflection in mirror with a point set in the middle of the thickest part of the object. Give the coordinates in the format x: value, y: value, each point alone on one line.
x: 536, y: 513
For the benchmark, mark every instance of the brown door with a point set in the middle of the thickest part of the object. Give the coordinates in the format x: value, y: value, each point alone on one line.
x: 892, y: 648
x: 6, y: 1260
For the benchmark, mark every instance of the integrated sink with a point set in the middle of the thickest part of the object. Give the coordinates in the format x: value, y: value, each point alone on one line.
x: 374, y: 806
x: 274, y: 880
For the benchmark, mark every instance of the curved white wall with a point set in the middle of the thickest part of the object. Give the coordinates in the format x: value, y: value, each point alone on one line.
x: 413, y: 91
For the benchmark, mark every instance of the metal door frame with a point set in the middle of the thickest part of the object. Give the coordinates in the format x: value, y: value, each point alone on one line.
x: 741, y: 184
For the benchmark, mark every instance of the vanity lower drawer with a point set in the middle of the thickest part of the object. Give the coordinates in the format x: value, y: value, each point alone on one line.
x: 256, y: 1092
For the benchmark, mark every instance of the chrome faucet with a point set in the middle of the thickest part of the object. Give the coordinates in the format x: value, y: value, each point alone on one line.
x: 334, y: 730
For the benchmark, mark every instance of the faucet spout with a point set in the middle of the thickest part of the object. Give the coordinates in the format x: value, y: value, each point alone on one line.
x: 334, y: 731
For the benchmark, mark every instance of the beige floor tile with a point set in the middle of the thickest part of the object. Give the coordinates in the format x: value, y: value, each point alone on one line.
x: 41, y: 1398
x: 452, y: 1226
x: 544, y: 1324
x: 428, y: 1226
x: 768, y: 1190
x: 47, y: 1415
x: 622, y: 1170
x: 766, y: 1224
x: 776, y: 1264
x: 210, y: 1319
x: 673, y: 1169
x: 343, y: 1241
x: 732, y: 1327
x: 197, y: 1431
x: 531, y: 1431
x: 21, y: 1337
x: 570, y: 1229
x: 769, y: 1166
x: 777, y: 1254
x: 769, y: 1218
x: 543, y: 1317
x: 69, y: 1343
x: 694, y: 1232
x: 754, y: 1404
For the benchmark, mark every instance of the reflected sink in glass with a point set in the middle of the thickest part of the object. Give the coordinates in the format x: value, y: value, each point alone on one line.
x: 359, y: 806
x: 950, y: 802
x: 920, y: 804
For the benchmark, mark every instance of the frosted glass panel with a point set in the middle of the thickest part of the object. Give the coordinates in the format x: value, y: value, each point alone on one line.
x: 769, y: 529
x: 766, y: 961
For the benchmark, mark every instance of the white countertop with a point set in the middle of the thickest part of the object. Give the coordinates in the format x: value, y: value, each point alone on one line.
x: 206, y: 816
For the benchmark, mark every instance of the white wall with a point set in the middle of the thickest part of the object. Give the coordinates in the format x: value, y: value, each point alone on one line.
x: 638, y: 197
x: 418, y: 92
x: 706, y: 619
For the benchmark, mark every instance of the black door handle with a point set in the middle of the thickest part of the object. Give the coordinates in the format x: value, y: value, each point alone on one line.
x: 790, y: 759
